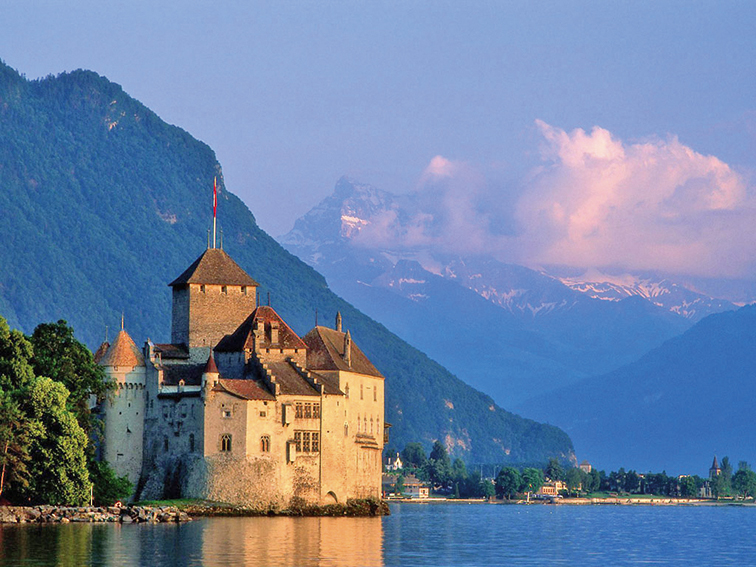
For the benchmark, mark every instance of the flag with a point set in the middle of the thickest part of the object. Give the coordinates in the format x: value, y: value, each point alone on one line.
x: 215, y: 195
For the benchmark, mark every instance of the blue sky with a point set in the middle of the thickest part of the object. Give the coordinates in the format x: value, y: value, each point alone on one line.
x: 293, y: 95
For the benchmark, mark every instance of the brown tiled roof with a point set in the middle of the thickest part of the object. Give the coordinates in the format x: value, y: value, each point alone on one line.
x: 123, y: 352
x: 168, y: 350
x: 291, y: 381
x: 214, y: 267
x: 246, y: 389
x: 242, y: 337
x: 101, y: 350
x: 210, y: 367
x: 325, y: 351
x: 191, y: 374
x: 330, y: 384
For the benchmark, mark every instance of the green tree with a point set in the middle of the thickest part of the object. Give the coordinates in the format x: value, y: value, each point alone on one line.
x: 688, y: 487
x: 58, y: 355
x: 744, y: 481
x: 508, y: 482
x: 16, y: 371
x: 16, y: 433
x: 58, y: 465
x: 458, y: 470
x: 414, y: 455
x: 554, y: 469
x: 593, y: 481
x: 108, y: 488
x: 399, y: 486
x: 532, y: 480
x: 574, y: 480
x: 439, y: 465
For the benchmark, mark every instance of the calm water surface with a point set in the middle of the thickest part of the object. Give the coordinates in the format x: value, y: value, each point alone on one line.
x: 415, y: 534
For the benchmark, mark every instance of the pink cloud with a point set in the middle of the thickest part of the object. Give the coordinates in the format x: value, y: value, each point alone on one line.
x: 651, y: 205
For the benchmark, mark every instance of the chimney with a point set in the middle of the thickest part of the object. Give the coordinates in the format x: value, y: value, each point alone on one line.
x: 348, y: 348
x: 259, y: 328
x: 338, y: 321
x: 274, y: 332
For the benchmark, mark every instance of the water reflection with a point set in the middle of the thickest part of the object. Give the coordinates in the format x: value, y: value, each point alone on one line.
x: 216, y: 541
x: 293, y: 541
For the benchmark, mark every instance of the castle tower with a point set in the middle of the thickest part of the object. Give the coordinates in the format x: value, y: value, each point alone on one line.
x: 210, y: 300
x: 123, y: 411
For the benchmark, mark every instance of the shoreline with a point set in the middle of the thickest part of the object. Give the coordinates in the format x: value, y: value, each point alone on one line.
x: 629, y: 501
x: 178, y: 513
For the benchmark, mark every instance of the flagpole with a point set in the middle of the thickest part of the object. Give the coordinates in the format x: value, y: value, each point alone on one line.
x: 215, y: 204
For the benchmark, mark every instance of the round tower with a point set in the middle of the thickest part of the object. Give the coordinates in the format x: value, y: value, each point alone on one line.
x: 123, y: 410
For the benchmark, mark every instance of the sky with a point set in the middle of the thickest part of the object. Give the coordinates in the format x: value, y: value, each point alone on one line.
x: 592, y: 133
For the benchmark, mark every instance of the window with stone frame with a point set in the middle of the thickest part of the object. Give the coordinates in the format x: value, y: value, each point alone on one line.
x: 225, y: 443
x: 265, y: 443
x: 299, y: 410
x: 308, y: 410
x: 307, y: 441
x: 316, y: 411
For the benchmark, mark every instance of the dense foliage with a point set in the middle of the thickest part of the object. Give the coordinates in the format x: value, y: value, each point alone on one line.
x: 109, y: 204
x: 45, y: 443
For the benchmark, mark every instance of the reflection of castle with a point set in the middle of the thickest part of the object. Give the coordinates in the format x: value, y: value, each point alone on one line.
x: 238, y: 408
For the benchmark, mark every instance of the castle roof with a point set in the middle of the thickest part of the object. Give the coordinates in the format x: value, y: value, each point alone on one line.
x: 243, y: 336
x: 211, y: 367
x: 191, y: 374
x: 214, y: 267
x: 291, y: 381
x: 168, y: 350
x: 123, y: 352
x: 715, y: 464
x: 101, y: 350
x: 245, y: 389
x: 325, y: 351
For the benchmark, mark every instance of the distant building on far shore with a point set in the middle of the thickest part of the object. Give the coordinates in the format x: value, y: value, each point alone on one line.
x: 393, y: 462
x: 586, y: 467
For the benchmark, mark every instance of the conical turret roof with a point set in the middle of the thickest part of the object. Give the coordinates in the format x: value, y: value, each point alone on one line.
x: 123, y: 352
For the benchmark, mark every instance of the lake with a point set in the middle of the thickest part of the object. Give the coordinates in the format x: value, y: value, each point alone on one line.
x: 415, y: 534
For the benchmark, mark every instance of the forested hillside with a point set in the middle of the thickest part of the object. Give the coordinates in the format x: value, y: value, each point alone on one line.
x: 102, y: 204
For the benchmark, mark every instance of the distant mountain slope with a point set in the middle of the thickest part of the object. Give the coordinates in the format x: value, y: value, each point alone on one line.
x: 674, y: 408
x: 509, y: 330
x: 102, y: 204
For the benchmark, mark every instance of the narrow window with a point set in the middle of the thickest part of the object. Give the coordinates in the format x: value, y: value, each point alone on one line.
x: 375, y: 394
x: 244, y: 290
x: 371, y: 426
x: 308, y: 411
x: 359, y: 424
x: 316, y: 411
x: 265, y: 444
x: 315, y: 442
x: 346, y: 390
x: 298, y: 440
x: 165, y: 443
x: 305, y: 441
x: 226, y: 443
x: 361, y: 392
x: 224, y: 290
x: 202, y: 288
x: 346, y: 429
x: 191, y: 442
x: 299, y: 411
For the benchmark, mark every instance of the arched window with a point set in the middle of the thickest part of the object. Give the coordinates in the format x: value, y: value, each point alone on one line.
x: 226, y: 443
x: 265, y: 444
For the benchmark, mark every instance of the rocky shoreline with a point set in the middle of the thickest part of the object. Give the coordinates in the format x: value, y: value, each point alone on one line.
x: 182, y: 513
x: 112, y: 514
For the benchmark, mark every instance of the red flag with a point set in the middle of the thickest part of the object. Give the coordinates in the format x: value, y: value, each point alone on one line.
x: 215, y: 195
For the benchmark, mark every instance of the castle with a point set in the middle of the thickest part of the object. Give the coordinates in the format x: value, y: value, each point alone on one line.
x: 237, y: 407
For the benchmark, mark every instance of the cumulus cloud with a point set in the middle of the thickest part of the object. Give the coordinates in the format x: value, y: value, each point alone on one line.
x: 657, y: 205
x: 593, y: 202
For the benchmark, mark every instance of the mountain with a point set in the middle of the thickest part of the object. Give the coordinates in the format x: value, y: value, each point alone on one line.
x: 103, y: 204
x: 673, y: 409
x: 540, y: 329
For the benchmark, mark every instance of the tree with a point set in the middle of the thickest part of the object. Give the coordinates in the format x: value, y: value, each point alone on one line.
x: 574, y: 480
x: 508, y: 482
x: 439, y: 465
x: 108, y: 488
x: 58, y: 355
x: 688, y: 487
x: 414, y: 455
x: 554, y: 469
x: 58, y: 465
x: 593, y: 481
x: 532, y: 480
x: 16, y: 432
x: 16, y: 370
x: 744, y: 481
x: 399, y: 486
